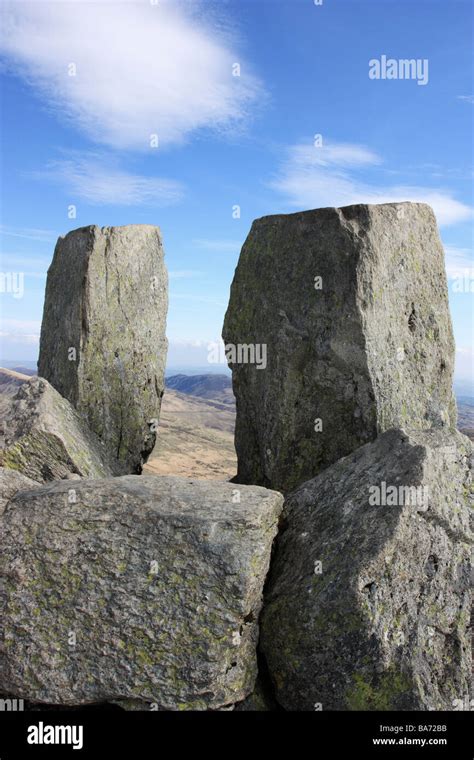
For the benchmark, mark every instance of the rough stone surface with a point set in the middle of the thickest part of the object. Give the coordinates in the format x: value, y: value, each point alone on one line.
x: 107, y: 298
x: 11, y: 482
x: 373, y: 349
x: 43, y: 437
x: 385, y: 625
x: 159, y: 578
x: 260, y: 700
x: 10, y: 381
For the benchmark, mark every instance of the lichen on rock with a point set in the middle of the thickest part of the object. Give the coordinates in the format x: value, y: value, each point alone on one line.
x: 43, y: 437
x: 368, y: 601
x: 103, y: 343
x: 352, y: 307
x: 158, y: 580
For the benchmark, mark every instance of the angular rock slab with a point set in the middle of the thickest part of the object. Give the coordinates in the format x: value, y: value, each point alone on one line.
x: 107, y: 300
x: 11, y: 482
x: 368, y: 606
x: 43, y: 437
x: 158, y: 580
x: 372, y: 349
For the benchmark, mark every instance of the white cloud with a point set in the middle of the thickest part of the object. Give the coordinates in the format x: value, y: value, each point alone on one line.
x: 459, y: 262
x: 23, y: 331
x: 466, y: 98
x: 98, y: 180
x: 333, y: 154
x: 141, y: 68
x: 311, y: 177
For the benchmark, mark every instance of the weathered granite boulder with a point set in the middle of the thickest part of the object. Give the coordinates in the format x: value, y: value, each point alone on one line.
x: 103, y: 344
x: 11, y: 482
x: 143, y: 588
x: 368, y: 603
x: 367, y: 347
x: 43, y: 437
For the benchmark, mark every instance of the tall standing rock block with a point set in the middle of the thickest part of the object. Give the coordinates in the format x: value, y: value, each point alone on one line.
x: 352, y: 307
x: 103, y: 344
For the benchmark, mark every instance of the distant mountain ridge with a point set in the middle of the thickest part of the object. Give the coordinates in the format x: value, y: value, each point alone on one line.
x: 466, y: 415
x: 22, y: 370
x: 195, y: 438
x: 214, y: 387
x: 216, y: 390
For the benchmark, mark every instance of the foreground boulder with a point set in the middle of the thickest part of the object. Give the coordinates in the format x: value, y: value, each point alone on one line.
x: 103, y: 344
x: 136, y: 588
x: 44, y: 438
x: 368, y: 602
x: 11, y: 482
x: 338, y: 328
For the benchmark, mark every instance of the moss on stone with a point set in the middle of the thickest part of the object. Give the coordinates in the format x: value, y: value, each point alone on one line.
x: 377, y: 693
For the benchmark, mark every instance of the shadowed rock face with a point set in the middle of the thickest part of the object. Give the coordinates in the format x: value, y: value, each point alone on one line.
x: 103, y: 344
x: 372, y: 349
x: 159, y: 578
x: 368, y: 602
x: 43, y: 437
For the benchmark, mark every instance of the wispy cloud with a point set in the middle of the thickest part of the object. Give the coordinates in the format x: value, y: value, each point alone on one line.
x: 466, y: 98
x: 22, y: 331
x: 97, y: 179
x: 459, y: 262
x: 310, y: 177
x: 12, y: 260
x: 44, y: 236
x: 138, y: 68
x: 218, y: 246
x: 339, y: 155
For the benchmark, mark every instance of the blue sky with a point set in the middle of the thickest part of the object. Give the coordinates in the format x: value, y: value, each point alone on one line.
x: 86, y: 86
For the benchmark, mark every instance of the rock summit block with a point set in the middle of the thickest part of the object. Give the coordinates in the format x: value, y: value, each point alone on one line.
x: 352, y: 306
x: 103, y: 344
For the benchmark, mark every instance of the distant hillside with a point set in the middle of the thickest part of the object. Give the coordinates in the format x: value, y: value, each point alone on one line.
x: 24, y: 371
x: 13, y: 377
x: 466, y: 415
x: 196, y: 428
x: 215, y: 387
x: 195, y: 438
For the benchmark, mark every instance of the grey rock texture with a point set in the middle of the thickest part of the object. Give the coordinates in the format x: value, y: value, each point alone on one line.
x: 159, y: 579
x: 11, y: 482
x: 43, y: 437
x: 10, y: 382
x: 260, y: 700
x: 373, y: 349
x: 107, y: 298
x: 385, y: 625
